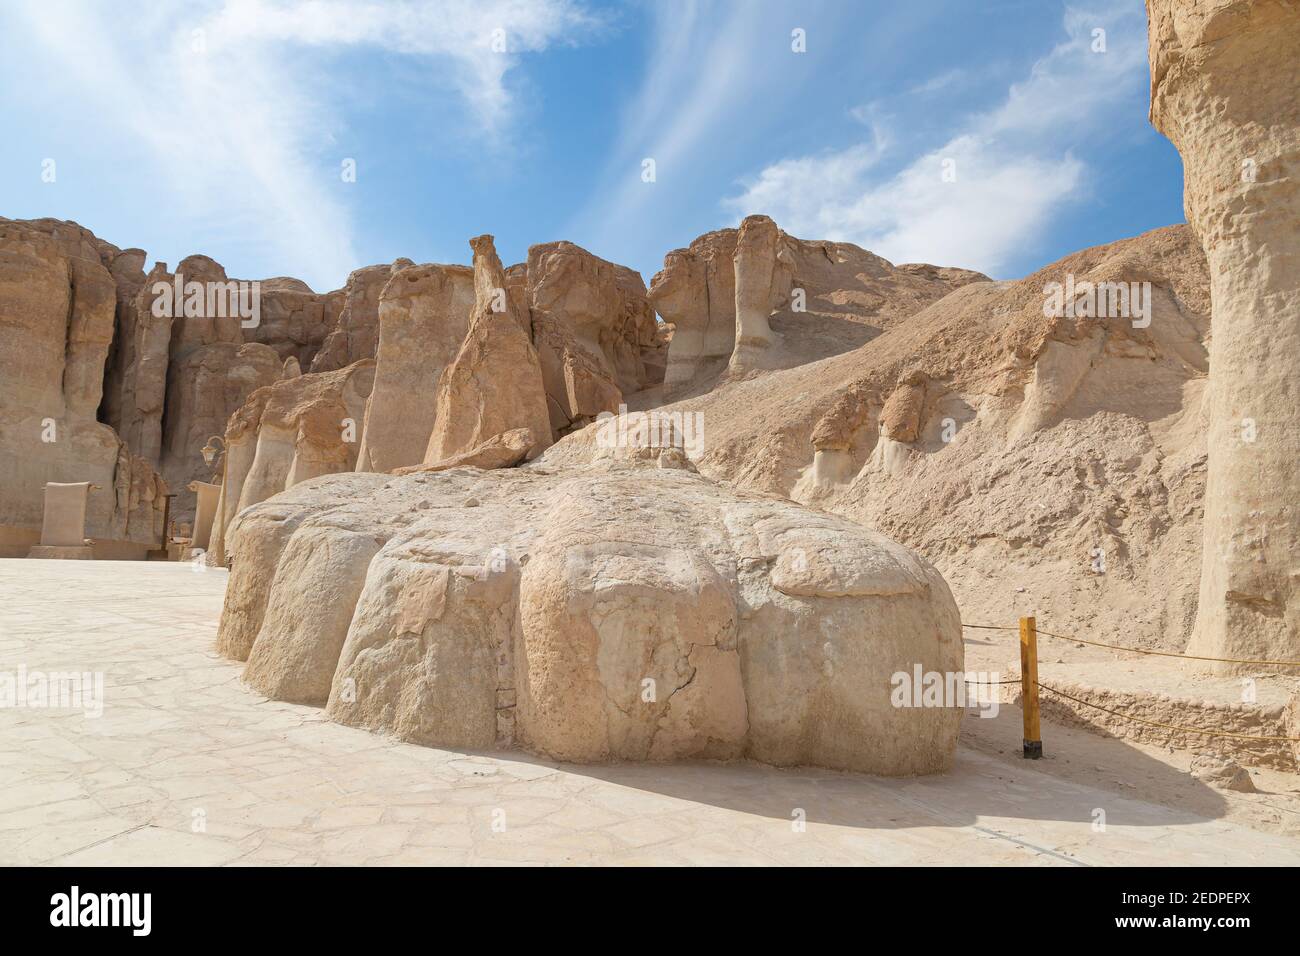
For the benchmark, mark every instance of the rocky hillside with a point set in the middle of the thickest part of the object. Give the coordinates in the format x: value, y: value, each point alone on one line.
x: 1044, y: 463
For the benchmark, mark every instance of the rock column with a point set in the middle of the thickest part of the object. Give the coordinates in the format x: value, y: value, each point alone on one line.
x: 1225, y: 88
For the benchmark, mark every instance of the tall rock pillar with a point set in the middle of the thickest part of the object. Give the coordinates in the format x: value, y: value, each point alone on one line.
x: 1225, y: 88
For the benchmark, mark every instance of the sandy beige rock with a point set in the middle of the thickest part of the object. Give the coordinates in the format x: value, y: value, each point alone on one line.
x: 592, y: 325
x: 308, y: 427
x: 494, y: 385
x: 569, y: 611
x: 837, y: 297
x: 696, y: 293
x: 1038, y: 441
x: 1222, y: 772
x: 205, y: 387
x: 1224, y: 76
x: 500, y: 451
x: 355, y: 335
x: 57, y: 308
x: 764, y: 269
x: 423, y: 317
x: 294, y: 320
x: 286, y: 433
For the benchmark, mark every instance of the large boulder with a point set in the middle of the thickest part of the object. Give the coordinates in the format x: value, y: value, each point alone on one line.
x: 1224, y: 76
x: 622, y: 609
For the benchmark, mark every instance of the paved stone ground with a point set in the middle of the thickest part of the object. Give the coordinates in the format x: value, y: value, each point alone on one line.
x: 186, y: 766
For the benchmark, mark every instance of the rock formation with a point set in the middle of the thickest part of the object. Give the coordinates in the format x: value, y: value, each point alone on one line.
x: 57, y: 307
x: 1044, y: 464
x: 1224, y: 81
x: 764, y: 269
x: 423, y: 317
x: 286, y: 433
x: 696, y: 292
x: 294, y: 320
x: 824, y: 298
x: 494, y: 385
x: 622, y: 609
x: 204, y: 387
x: 355, y: 335
x: 593, y: 327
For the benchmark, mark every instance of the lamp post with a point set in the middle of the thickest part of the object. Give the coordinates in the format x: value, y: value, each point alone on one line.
x: 211, y: 455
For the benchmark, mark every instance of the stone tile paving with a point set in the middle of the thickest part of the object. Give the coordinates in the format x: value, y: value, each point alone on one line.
x: 186, y: 766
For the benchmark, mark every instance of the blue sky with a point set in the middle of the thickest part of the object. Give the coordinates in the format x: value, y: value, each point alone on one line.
x: 223, y: 127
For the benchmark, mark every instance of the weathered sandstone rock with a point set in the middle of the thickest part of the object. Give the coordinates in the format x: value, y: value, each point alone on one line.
x: 1044, y: 447
x: 500, y: 451
x: 294, y: 320
x: 696, y: 292
x: 494, y: 385
x: 826, y: 298
x: 423, y: 317
x: 57, y: 309
x: 592, y: 325
x: 1224, y: 81
x: 355, y: 335
x: 308, y: 427
x: 1222, y: 772
x: 615, y: 610
x: 205, y: 386
x: 286, y: 433
x: 764, y: 269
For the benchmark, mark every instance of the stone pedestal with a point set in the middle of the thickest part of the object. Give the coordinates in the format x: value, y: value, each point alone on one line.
x: 205, y: 510
x: 63, y: 527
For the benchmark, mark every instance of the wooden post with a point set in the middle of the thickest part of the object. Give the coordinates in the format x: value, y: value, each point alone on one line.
x: 1029, y: 687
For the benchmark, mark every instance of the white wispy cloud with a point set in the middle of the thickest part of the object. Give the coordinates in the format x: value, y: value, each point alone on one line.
x: 1008, y: 169
x: 239, y: 126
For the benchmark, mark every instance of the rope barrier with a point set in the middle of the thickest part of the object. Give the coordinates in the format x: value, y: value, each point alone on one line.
x: 1156, y: 723
x: 1139, y: 650
x: 1030, y: 679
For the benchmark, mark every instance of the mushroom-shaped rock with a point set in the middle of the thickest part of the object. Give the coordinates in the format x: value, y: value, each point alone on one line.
x: 613, y: 610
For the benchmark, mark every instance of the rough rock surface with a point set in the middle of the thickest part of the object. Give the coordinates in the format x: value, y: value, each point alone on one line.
x: 764, y: 270
x: 848, y: 296
x: 355, y: 335
x: 1003, y: 445
x: 593, y: 327
x: 58, y: 303
x: 494, y: 385
x: 295, y: 320
x: 617, y: 610
x: 205, y: 386
x: 1221, y: 772
x: 1224, y: 81
x: 286, y: 433
x: 423, y: 317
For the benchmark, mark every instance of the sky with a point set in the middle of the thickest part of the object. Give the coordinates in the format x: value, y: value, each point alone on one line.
x: 309, y: 138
